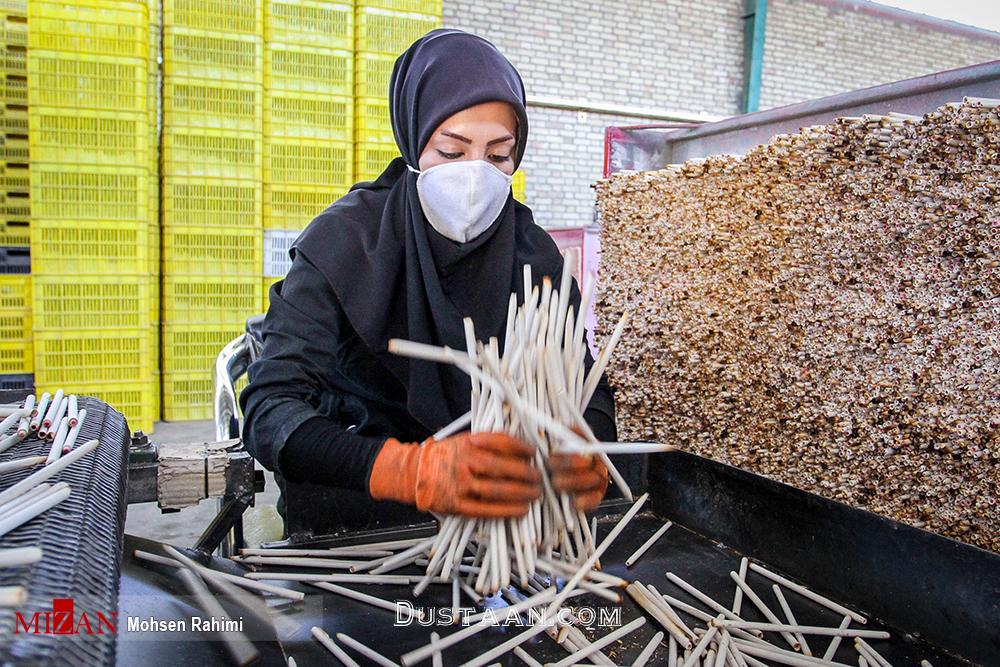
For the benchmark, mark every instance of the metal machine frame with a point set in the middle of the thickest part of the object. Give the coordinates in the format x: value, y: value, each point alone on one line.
x: 647, y: 147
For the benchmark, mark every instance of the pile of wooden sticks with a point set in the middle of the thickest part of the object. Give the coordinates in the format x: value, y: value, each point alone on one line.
x: 726, y: 635
x: 823, y: 311
x: 730, y: 640
x: 537, y: 390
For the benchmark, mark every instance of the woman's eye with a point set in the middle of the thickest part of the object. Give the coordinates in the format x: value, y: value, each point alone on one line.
x: 500, y: 158
x: 449, y: 156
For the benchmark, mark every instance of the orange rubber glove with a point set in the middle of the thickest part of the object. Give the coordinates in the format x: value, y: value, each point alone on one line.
x: 471, y: 474
x: 584, y: 477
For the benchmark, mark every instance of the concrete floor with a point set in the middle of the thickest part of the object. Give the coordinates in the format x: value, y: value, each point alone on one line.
x: 261, y: 523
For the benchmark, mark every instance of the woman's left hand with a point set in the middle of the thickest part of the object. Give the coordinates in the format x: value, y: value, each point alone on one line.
x: 583, y: 477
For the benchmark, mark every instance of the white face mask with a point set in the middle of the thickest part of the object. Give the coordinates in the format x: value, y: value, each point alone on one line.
x: 462, y: 199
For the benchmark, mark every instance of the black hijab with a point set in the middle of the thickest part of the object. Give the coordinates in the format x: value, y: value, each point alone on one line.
x: 394, y: 275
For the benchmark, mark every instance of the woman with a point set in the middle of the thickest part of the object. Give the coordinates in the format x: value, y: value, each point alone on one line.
x: 437, y: 237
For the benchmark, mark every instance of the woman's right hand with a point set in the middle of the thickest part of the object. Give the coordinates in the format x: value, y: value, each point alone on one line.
x: 487, y: 475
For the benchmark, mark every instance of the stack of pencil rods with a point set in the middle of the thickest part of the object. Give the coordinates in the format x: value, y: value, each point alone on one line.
x: 535, y: 387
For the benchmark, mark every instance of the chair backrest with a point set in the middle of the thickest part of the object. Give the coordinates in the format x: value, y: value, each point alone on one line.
x: 255, y: 328
x: 231, y: 364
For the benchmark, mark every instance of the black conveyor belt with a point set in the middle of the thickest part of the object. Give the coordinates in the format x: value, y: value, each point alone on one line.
x: 940, y: 599
x: 81, y: 541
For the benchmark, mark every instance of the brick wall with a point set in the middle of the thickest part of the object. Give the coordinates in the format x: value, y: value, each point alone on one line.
x: 684, y: 56
x: 815, y: 48
x: 672, y: 54
x: 565, y: 156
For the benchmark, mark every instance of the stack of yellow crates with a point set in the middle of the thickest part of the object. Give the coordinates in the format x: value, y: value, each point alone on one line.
x: 213, y: 76
x: 308, y: 118
x: 88, y: 63
x: 16, y: 357
x: 517, y: 185
x: 383, y: 30
x: 155, y: 113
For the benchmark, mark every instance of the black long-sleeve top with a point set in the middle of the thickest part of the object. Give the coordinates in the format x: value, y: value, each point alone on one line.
x: 320, y: 404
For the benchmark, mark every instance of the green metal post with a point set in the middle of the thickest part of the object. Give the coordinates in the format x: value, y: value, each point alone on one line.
x: 754, y: 21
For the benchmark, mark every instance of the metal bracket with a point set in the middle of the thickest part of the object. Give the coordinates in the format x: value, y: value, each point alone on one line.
x: 142, y: 465
x: 241, y: 481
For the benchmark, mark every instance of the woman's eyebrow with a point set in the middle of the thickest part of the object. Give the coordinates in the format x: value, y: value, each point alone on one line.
x: 456, y: 136
x: 498, y: 140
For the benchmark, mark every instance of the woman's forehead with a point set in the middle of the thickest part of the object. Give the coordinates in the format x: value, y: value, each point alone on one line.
x: 489, y: 116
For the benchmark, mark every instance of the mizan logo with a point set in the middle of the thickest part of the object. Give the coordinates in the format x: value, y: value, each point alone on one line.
x: 62, y: 620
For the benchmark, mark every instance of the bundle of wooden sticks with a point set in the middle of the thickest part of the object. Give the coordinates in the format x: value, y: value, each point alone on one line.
x: 537, y: 390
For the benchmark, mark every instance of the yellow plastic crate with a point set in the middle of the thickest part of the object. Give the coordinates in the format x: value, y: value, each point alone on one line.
x: 89, y: 192
x: 153, y: 109
x: 205, y: 152
x: 14, y: 149
x: 432, y: 7
x: 194, y: 347
x: 14, y: 60
x: 89, y: 247
x: 77, y: 303
x: 326, y: 24
x: 13, y: 119
x: 308, y: 162
x: 372, y: 72
x: 86, y: 81
x: 14, y: 233
x: 14, y: 7
x: 242, y: 16
x: 294, y: 206
x: 188, y: 396
x: 153, y: 280
x: 221, y: 104
x: 157, y: 398
x: 15, y: 177
x: 210, y: 299
x: 386, y: 31
x: 103, y: 27
x: 517, y: 185
x: 13, y: 205
x: 230, y: 251
x: 154, y: 200
x: 87, y: 136
x: 154, y: 344
x: 13, y: 30
x: 13, y: 90
x: 17, y: 356
x: 108, y: 355
x: 213, y: 55
x: 15, y: 293
x: 15, y: 308
x: 371, y: 121
x: 135, y: 400
x: 319, y: 116
x: 212, y: 202
x: 155, y: 306
x: 371, y: 159
x: 267, y: 282
x: 309, y: 69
